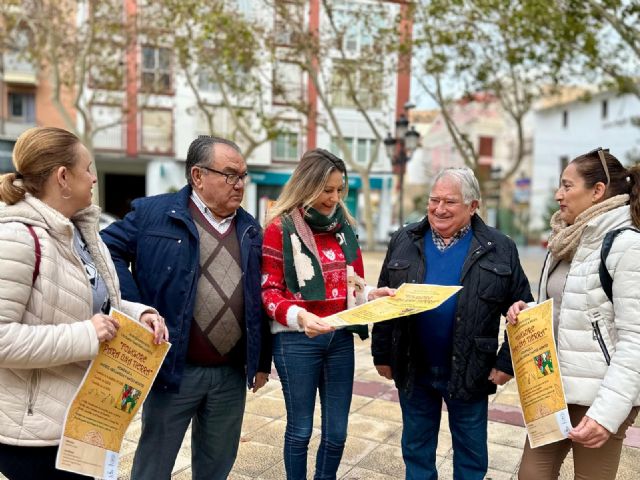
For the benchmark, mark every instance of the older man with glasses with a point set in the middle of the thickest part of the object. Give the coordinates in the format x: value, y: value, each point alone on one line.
x: 450, y: 353
x: 195, y: 256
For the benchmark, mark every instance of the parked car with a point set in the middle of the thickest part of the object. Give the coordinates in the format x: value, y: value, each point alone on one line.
x: 105, y: 220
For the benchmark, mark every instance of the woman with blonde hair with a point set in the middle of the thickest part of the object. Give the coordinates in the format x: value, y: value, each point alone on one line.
x: 597, y: 336
x: 57, y: 283
x: 312, y: 268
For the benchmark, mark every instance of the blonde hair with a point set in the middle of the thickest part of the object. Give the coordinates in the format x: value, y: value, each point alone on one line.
x: 308, y: 181
x: 36, y: 154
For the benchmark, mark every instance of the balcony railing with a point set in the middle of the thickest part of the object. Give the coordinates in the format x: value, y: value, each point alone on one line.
x: 18, y: 70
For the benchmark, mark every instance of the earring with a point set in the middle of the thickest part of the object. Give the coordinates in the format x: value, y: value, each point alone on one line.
x: 66, y: 197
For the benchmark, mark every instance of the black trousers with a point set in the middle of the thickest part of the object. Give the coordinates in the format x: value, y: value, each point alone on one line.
x: 32, y: 463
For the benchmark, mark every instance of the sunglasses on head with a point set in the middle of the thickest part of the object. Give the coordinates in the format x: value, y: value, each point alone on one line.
x: 601, y: 151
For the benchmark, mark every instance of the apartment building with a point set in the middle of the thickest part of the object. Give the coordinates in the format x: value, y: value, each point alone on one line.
x: 573, y: 122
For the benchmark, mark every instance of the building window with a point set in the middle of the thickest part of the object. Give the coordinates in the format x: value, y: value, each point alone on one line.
x: 564, y: 161
x: 157, y: 131
x: 565, y: 119
x: 156, y: 70
x: 604, y: 112
x: 485, y: 147
x: 206, y: 83
x: 22, y: 107
x: 367, y: 81
x: 109, y: 124
x: 236, y: 76
x: 361, y: 149
x: 287, y: 83
x: 289, y: 16
x: 358, y: 29
x: 286, y: 146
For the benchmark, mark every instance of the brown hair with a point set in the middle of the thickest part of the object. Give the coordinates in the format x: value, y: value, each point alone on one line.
x: 36, y: 154
x: 307, y: 182
x: 623, y: 180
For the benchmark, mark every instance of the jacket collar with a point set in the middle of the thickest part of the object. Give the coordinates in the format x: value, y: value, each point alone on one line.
x: 33, y: 211
x: 485, y: 235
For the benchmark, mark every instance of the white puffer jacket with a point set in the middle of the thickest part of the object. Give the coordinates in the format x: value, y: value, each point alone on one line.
x: 612, y: 390
x: 46, y: 337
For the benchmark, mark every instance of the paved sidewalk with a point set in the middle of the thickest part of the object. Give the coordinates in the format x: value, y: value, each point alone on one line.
x: 373, y: 446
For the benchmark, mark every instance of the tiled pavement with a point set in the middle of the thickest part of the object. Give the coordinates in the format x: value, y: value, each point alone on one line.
x: 373, y: 445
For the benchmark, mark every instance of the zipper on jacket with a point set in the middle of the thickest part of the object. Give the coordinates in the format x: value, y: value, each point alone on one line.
x: 32, y: 390
x: 597, y: 336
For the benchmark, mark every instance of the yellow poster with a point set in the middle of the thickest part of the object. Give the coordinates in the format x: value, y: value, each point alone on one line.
x: 535, y: 363
x: 410, y: 298
x: 112, y: 391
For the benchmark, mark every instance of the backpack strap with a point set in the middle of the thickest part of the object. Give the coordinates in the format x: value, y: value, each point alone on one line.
x: 605, y: 277
x: 36, y: 270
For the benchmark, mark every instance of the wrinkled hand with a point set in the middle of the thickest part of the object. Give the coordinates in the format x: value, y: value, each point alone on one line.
x: 106, y: 326
x: 312, y: 324
x: 498, y: 377
x: 381, y: 292
x: 384, y: 371
x: 260, y: 381
x: 589, y: 433
x: 514, y: 310
x: 156, y: 324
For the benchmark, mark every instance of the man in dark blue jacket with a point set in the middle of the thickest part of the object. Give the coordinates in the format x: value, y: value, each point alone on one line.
x: 449, y: 353
x: 195, y: 256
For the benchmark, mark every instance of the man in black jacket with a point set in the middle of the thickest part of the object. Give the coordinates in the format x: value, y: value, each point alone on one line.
x: 449, y: 353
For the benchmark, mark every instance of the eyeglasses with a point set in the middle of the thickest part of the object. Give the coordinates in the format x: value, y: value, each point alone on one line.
x: 601, y: 151
x: 229, y: 178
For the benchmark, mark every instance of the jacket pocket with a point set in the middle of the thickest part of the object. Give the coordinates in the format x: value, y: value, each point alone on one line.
x: 481, y: 360
x: 398, y: 272
x: 486, y: 344
x: 160, y: 254
x: 493, y: 283
x: 33, y: 387
x: 598, y: 336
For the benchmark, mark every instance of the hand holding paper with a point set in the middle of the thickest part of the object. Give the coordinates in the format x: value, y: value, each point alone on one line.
x: 409, y: 299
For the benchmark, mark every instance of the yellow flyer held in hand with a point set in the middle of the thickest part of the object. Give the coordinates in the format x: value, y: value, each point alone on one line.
x: 112, y: 391
x: 535, y: 363
x: 409, y: 299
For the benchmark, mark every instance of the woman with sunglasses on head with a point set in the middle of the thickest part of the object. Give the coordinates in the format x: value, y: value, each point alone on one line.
x: 312, y: 268
x: 598, y: 340
x: 57, y: 280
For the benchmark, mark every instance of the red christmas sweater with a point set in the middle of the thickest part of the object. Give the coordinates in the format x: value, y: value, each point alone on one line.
x: 277, y: 299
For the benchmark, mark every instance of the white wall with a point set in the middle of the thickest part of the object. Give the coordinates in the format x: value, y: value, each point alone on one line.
x: 586, y: 130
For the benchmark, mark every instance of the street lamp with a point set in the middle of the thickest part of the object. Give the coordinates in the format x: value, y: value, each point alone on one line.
x: 399, y: 150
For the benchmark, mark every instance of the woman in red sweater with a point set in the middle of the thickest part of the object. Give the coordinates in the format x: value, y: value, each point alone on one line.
x: 312, y: 268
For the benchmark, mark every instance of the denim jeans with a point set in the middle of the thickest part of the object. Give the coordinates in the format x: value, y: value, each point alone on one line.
x: 305, y: 366
x: 29, y: 463
x: 421, y: 412
x: 214, y: 398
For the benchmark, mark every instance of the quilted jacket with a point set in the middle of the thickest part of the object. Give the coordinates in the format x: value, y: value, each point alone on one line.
x: 492, y: 279
x: 46, y: 337
x: 590, y: 326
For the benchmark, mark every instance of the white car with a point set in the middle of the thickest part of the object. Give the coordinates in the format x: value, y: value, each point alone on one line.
x: 105, y: 220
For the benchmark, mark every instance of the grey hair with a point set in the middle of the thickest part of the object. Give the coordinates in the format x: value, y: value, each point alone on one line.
x: 467, y: 180
x: 201, y: 152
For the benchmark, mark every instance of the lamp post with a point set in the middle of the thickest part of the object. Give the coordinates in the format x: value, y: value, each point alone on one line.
x: 399, y: 150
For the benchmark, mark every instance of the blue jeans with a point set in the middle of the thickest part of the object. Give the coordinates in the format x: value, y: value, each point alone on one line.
x: 421, y: 414
x: 214, y: 398
x: 306, y: 365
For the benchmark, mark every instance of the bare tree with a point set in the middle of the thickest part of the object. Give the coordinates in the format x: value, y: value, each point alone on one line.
x: 348, y: 65
x: 79, y: 48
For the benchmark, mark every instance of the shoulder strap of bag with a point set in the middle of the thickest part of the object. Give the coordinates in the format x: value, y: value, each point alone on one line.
x: 36, y: 270
x: 605, y: 278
